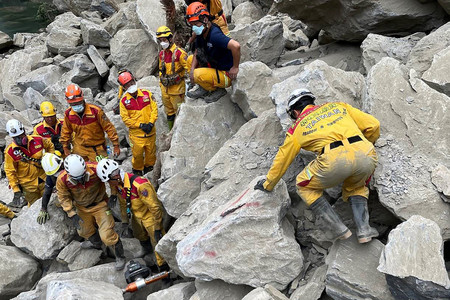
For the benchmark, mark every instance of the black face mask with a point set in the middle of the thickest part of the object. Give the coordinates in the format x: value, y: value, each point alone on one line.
x: 20, y: 141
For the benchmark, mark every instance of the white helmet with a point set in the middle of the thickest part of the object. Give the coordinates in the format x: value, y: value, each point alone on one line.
x: 51, y: 163
x: 105, y: 167
x: 299, y: 95
x: 75, y: 166
x: 14, y: 128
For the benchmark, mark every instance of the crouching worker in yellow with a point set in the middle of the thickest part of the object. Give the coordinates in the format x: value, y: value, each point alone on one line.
x: 142, y: 204
x: 172, y: 66
x: 23, y: 164
x: 139, y: 112
x: 5, y: 211
x: 83, y: 197
x: 343, y: 138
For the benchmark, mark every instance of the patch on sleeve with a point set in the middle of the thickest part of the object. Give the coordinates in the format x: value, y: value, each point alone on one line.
x: 144, y: 192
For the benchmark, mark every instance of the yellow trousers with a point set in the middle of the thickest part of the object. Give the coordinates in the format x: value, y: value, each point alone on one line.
x: 143, y: 151
x: 98, y: 216
x: 210, y: 79
x: 171, y: 102
x: 142, y: 233
x: 89, y: 153
x: 350, y: 164
x: 5, y: 211
x: 33, y: 193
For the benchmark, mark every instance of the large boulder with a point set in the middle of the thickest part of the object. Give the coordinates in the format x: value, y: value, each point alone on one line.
x: 327, y: 83
x: 46, y: 240
x: 246, y: 13
x: 5, y: 40
x: 99, y: 62
x: 152, y: 14
x: 180, y: 291
x: 33, y: 98
x: 75, y: 6
x: 78, y: 68
x: 77, y: 258
x: 412, y: 248
x: 183, y: 164
x: 312, y: 287
x: 125, y: 18
x: 261, y: 41
x: 64, y: 34
x: 41, y: 78
x: 94, y: 34
x: 294, y: 39
x: 437, y: 75
x: 347, y: 20
x: 375, y: 47
x: 252, y: 88
x: 408, y: 111
x: 19, y: 272
x: 134, y: 50
x: 217, y: 289
x: 352, y: 271
x: 82, y: 289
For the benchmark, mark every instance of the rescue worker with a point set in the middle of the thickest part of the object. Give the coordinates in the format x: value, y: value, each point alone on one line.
x: 50, y: 127
x: 172, y: 66
x: 23, y: 164
x: 87, y: 123
x: 5, y: 211
x: 216, y: 58
x: 53, y: 166
x: 343, y: 138
x: 139, y: 111
x: 145, y: 209
x: 82, y: 196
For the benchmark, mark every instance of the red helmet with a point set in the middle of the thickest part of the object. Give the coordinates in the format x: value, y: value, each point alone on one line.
x: 125, y: 77
x: 73, y: 93
x: 195, y: 10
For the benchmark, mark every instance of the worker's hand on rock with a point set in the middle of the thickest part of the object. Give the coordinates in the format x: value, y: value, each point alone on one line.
x: 158, y: 235
x: 112, y: 201
x: 18, y: 200
x: 76, y: 220
x: 43, y: 217
x: 66, y: 152
x: 116, y: 151
x: 260, y: 185
x: 233, y: 72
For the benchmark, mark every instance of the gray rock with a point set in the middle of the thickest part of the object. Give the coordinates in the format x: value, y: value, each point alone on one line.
x: 22, y: 39
x: 294, y: 39
x: 19, y: 271
x: 261, y: 41
x: 82, y: 289
x: 412, y: 248
x: 269, y: 240
x: 46, y: 240
x: 402, y: 178
x: 219, y: 290
x: 313, y: 287
x: 45, y: 62
x: 5, y: 40
x: 245, y: 14
x: 440, y: 177
x: 106, y: 7
x: 216, y: 123
x: 445, y: 5
x: 33, y: 98
x: 352, y: 271
x: 347, y: 21
x: 375, y: 47
x: 421, y: 56
x: 99, y: 62
x: 77, y: 258
x: 258, y: 294
x: 41, y: 78
x: 151, y: 13
x: 14, y: 101
x: 437, y: 75
x: 75, y: 6
x: 64, y: 34
x: 94, y: 34
x: 180, y: 291
x: 295, y: 25
x: 252, y: 88
x: 134, y: 50
x: 78, y: 68
x: 125, y: 18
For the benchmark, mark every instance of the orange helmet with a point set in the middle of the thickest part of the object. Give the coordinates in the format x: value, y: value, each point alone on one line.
x: 194, y: 10
x: 74, y: 93
x: 125, y: 77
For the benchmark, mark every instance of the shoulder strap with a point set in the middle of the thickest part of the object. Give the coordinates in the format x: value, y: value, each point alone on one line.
x: 132, y: 178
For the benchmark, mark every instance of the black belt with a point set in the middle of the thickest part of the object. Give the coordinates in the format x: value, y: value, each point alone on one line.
x: 336, y: 144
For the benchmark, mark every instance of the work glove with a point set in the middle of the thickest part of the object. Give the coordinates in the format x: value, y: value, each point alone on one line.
x: 112, y: 201
x: 150, y: 127
x: 43, y: 217
x: 158, y: 235
x: 18, y: 200
x: 147, y: 128
x: 76, y: 220
x: 116, y: 151
x: 260, y: 185
x: 124, y: 231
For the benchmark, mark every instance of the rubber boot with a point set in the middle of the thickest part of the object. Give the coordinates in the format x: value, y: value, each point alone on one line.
x: 93, y: 242
x: 215, y: 95
x: 148, y: 169
x: 360, y: 210
x: 170, y: 121
x: 198, y: 93
x: 137, y: 172
x: 120, y: 256
x: 330, y: 219
x: 146, y: 248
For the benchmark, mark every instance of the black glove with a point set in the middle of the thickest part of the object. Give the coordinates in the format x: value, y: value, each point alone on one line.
x: 158, y: 235
x: 260, y: 185
x: 76, y: 220
x: 146, y: 128
x: 43, y: 217
x: 150, y: 127
x: 112, y: 201
x: 18, y: 200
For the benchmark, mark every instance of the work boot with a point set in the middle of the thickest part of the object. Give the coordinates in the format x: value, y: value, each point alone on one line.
x: 215, y: 95
x: 198, y: 93
x: 148, y: 169
x: 364, y: 232
x: 120, y: 256
x: 137, y: 172
x: 93, y: 242
x: 146, y: 248
x: 170, y: 121
x: 330, y: 220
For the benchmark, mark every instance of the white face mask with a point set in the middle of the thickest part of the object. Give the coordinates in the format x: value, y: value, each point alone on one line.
x: 78, y: 108
x: 132, y: 89
x: 164, y: 45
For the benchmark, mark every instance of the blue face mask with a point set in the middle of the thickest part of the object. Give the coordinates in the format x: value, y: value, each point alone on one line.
x: 78, y: 108
x: 198, y: 29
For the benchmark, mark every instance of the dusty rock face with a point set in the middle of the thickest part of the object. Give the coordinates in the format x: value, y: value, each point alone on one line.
x: 5, y: 40
x: 77, y: 258
x: 352, y: 271
x: 217, y: 289
x: 41, y: 78
x: 347, y: 21
x: 99, y: 62
x: 42, y: 241
x: 125, y: 18
x: 82, y: 289
x: 23, y: 271
x: 181, y: 291
x: 261, y: 40
x: 246, y: 13
x: 440, y: 176
x: 437, y: 76
x: 314, y: 286
x: 412, y: 248
x: 94, y: 34
x: 266, y: 293
x: 64, y: 35
x: 254, y: 218
x: 402, y: 178
x: 151, y: 13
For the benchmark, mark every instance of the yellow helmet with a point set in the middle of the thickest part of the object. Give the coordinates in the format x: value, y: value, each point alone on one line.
x: 47, y: 109
x: 163, y: 32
